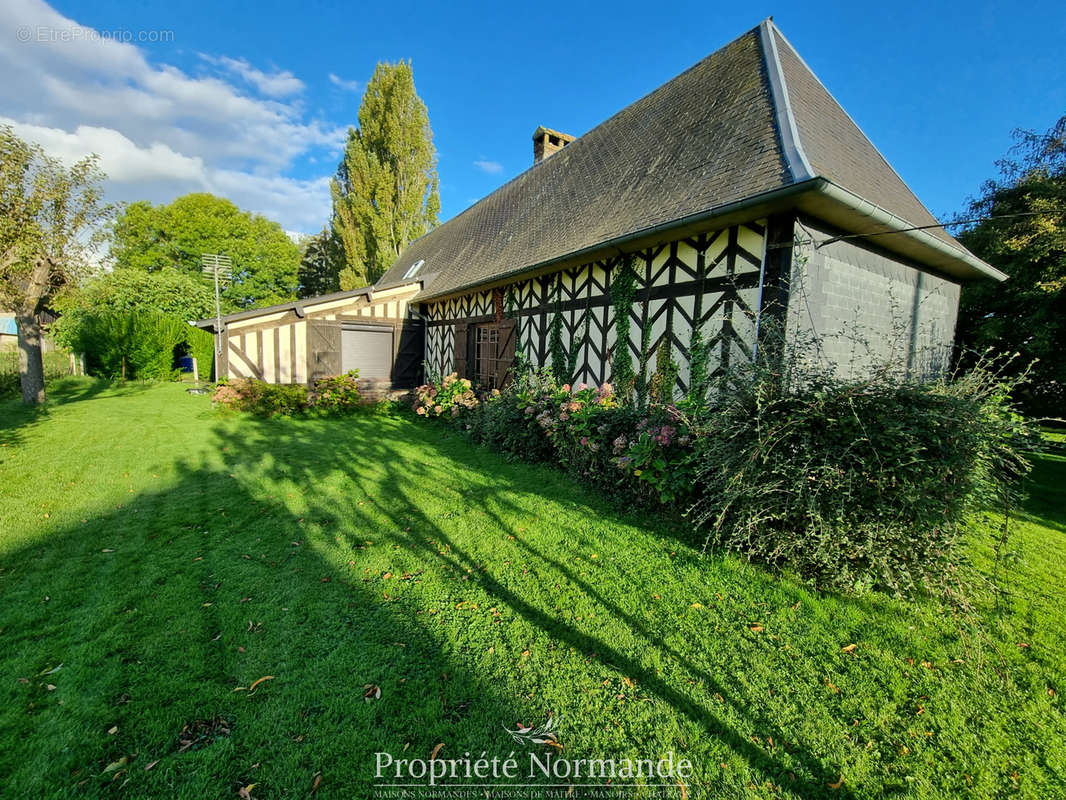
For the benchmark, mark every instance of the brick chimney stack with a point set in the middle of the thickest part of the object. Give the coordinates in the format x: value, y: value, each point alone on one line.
x: 546, y: 142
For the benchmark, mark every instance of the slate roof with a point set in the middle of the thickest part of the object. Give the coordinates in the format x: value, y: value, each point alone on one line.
x: 749, y: 119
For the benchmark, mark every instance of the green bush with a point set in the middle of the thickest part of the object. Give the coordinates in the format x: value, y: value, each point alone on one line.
x: 261, y: 398
x: 136, y: 344
x: 56, y: 365
x: 855, y: 484
x: 336, y: 392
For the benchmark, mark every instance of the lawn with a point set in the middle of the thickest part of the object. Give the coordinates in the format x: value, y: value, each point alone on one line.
x: 158, y: 559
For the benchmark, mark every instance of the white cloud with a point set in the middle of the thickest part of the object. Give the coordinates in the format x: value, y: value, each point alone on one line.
x: 275, y: 84
x: 160, y: 131
x: 348, y: 86
x: 491, y: 167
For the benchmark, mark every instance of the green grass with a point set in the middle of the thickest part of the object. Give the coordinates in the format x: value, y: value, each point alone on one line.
x: 164, y: 556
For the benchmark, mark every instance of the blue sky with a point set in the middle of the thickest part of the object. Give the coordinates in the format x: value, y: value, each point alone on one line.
x: 251, y: 100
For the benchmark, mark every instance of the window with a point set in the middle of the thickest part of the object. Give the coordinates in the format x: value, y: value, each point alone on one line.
x: 414, y: 269
x: 486, y: 346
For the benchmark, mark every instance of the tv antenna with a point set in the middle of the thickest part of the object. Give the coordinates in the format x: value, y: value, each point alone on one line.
x: 220, y: 268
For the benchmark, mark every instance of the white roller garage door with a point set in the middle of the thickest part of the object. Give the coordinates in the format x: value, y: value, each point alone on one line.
x: 367, y: 350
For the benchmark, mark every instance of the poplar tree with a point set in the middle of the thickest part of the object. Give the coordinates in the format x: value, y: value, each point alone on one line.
x: 385, y: 193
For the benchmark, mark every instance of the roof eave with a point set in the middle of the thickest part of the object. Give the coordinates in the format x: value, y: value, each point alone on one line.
x: 720, y: 216
x: 849, y: 211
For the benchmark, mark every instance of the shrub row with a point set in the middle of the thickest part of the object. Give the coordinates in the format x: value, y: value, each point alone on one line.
x: 335, y: 393
x: 849, y: 484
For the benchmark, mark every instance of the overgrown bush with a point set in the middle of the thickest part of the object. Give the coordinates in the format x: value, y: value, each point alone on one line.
x: 855, y: 484
x: 850, y: 484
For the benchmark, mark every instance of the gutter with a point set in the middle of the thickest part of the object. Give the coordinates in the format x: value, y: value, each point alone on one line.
x: 887, y: 219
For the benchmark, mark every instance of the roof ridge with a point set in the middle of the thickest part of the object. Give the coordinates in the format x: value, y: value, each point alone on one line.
x: 791, y: 144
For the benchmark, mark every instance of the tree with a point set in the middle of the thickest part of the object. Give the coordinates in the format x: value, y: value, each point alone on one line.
x: 168, y: 291
x: 321, y: 265
x: 385, y: 193
x: 1024, y: 235
x: 50, y: 219
x: 265, y: 260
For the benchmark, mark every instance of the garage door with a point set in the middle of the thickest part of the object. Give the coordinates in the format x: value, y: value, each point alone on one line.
x: 367, y: 350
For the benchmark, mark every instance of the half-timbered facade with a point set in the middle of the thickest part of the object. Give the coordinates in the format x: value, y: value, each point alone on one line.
x: 740, y: 194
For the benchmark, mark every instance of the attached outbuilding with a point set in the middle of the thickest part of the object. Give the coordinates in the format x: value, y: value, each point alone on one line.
x: 376, y: 332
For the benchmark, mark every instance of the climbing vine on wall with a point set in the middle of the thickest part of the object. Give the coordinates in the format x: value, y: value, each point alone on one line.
x: 699, y: 360
x: 556, y: 349
x: 666, y: 372
x: 623, y: 292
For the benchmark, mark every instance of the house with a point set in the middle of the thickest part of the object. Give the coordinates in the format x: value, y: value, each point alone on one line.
x: 740, y: 192
x: 9, y: 334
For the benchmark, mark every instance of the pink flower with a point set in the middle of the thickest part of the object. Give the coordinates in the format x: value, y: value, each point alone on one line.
x: 566, y: 388
x: 437, y: 409
x: 421, y: 411
x: 582, y: 387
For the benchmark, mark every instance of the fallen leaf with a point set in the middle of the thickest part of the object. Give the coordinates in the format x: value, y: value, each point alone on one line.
x: 386, y: 576
x: 629, y: 682
x: 436, y: 750
x: 756, y: 628
x: 245, y: 792
x: 697, y: 605
x: 1023, y: 644
x: 317, y: 781
x: 117, y: 764
x: 684, y: 791
x: 833, y: 687
x: 525, y: 653
x: 149, y: 766
x: 112, y: 730
x: 259, y: 681
x: 371, y: 691
x: 838, y: 784
x: 51, y: 687
x: 849, y: 648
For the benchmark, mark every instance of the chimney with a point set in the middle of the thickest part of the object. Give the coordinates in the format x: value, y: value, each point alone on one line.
x: 546, y: 142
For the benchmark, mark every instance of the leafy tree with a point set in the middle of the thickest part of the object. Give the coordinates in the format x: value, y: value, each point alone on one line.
x: 1027, y: 313
x: 49, y: 226
x: 124, y: 291
x: 385, y: 191
x: 321, y: 264
x: 265, y: 260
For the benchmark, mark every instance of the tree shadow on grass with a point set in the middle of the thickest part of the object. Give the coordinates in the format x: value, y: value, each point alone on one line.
x: 120, y: 631
x: 458, y: 511
x: 337, y: 554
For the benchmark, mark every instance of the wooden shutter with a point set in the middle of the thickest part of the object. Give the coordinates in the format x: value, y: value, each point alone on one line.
x: 410, y: 352
x: 505, y: 352
x: 323, y: 348
x: 462, y: 349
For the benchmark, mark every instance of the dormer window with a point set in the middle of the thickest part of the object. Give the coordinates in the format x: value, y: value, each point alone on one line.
x: 414, y: 269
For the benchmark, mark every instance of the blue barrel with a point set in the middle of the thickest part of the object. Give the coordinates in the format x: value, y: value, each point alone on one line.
x: 185, y: 363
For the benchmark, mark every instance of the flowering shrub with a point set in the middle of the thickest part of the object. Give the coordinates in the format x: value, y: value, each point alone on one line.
x: 259, y: 397
x: 336, y: 392
x: 659, y: 455
x: 451, y: 397
x: 333, y: 393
